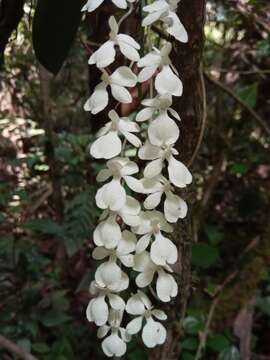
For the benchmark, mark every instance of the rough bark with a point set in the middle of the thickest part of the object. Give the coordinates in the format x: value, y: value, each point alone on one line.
x: 187, y: 59
x: 11, y: 12
x: 192, y: 109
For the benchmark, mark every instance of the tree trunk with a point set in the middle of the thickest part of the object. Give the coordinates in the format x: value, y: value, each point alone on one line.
x: 187, y: 59
x: 192, y: 109
x: 50, y: 144
x: 11, y: 12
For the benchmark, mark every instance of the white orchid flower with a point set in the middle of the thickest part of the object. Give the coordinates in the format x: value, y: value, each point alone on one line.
x: 159, y: 106
x: 174, y: 206
x: 110, y: 275
x: 118, y: 168
x: 152, y: 222
x: 166, y: 81
x: 163, y: 251
x: 105, y: 55
x: 108, y: 143
x: 179, y: 174
x: 120, y: 79
x: 130, y: 212
x: 98, y: 310
x: 108, y: 233
x: 163, y: 133
x: 166, y: 286
x: 92, y: 5
x: 154, y: 333
x: 115, y: 343
x: 165, y: 11
x: 112, y: 195
x: 122, y: 252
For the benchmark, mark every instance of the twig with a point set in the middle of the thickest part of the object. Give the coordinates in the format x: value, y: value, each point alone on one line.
x: 204, y: 335
x: 126, y: 15
x: 242, y: 72
x: 209, y: 188
x: 43, y: 196
x: 15, y: 349
x: 242, y: 328
x: 204, y: 118
x: 252, y: 112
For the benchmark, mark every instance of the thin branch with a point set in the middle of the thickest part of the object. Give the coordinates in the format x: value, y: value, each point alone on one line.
x: 242, y: 72
x: 204, y: 335
x: 126, y: 15
x: 40, y: 201
x: 204, y: 119
x: 15, y: 349
x: 252, y: 112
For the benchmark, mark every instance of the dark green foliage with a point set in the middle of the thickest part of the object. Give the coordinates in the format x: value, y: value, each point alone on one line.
x: 204, y: 255
x: 230, y: 353
x: 249, y: 94
x: 218, y: 343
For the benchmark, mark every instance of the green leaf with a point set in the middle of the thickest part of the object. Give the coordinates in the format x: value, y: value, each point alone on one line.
x: 54, y: 28
x: 137, y: 355
x: 239, y: 169
x: 214, y: 234
x: 72, y: 244
x: 263, y: 303
x: 41, y: 348
x: 230, y: 353
x: 211, y: 289
x: 2, y: 218
x: 218, y: 343
x: 80, y: 217
x: 263, y: 49
x: 32, y: 327
x: 204, y: 255
x: 187, y: 356
x: 250, y: 202
x: 45, y: 226
x: 59, y: 300
x: 62, y: 348
x: 192, y: 325
x: 190, y: 343
x: 249, y: 94
x: 54, y: 318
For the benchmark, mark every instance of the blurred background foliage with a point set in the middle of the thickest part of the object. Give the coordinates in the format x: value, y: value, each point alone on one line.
x: 47, y: 207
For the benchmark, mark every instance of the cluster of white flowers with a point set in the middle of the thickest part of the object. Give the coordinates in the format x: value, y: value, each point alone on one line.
x: 129, y: 237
